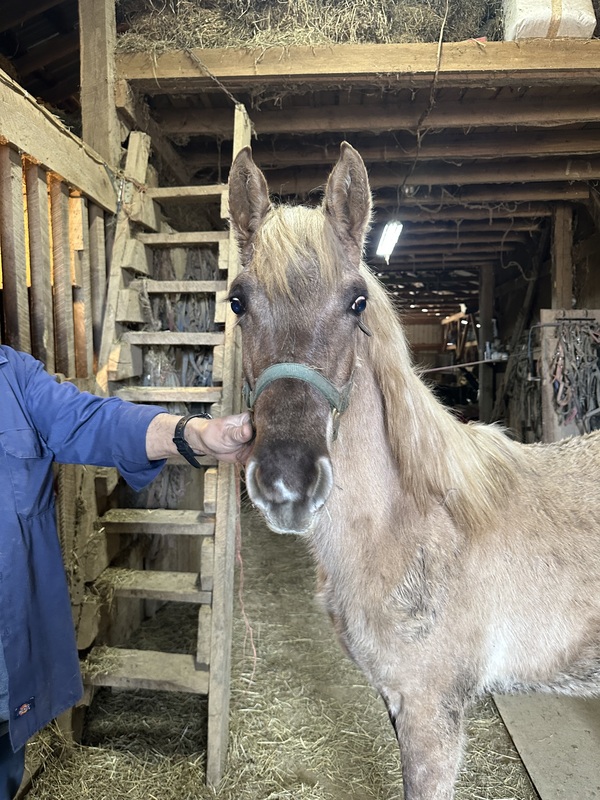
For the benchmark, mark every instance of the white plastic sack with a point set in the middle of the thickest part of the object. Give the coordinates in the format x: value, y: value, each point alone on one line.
x: 548, y: 19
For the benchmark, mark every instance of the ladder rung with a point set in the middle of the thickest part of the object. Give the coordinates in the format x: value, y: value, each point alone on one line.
x: 169, y: 338
x: 176, y: 587
x: 157, y: 521
x: 187, y: 192
x: 170, y: 394
x: 144, y: 669
x: 180, y: 287
x: 183, y: 238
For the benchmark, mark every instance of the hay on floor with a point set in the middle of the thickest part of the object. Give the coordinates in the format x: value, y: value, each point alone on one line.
x: 304, y: 723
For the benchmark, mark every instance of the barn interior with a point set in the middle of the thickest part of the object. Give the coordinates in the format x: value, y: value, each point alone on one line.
x: 485, y: 147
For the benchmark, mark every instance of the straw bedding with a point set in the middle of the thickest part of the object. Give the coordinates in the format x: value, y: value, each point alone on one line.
x: 304, y: 724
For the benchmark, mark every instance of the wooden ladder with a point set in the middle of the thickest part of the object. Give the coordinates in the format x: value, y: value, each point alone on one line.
x: 210, y: 585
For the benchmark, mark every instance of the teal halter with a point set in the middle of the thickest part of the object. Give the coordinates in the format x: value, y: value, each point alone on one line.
x: 338, y: 399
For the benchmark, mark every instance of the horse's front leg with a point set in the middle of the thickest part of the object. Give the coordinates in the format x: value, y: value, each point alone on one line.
x: 429, y: 730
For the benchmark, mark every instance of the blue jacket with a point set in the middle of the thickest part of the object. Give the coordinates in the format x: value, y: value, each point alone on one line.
x: 42, y: 421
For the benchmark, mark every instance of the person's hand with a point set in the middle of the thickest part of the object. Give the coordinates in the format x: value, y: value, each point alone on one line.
x: 226, y: 438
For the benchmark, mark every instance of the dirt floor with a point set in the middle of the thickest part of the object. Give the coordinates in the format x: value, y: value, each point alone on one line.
x: 304, y: 724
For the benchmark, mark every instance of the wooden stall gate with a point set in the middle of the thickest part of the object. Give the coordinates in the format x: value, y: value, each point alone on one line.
x: 140, y: 230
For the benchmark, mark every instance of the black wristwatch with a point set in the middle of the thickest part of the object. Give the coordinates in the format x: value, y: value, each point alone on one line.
x: 180, y: 443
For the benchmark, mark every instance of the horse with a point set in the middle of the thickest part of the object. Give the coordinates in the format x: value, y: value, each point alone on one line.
x: 452, y: 560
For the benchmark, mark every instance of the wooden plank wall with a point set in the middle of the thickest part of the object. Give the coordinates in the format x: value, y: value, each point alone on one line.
x: 51, y: 255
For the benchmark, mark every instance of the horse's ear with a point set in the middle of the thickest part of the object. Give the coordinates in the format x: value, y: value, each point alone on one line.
x: 348, y: 198
x: 248, y: 199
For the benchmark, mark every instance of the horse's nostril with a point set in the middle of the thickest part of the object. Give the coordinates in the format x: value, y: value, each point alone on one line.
x: 322, y: 485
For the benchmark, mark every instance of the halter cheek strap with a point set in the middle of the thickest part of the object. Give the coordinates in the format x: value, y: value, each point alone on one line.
x: 338, y: 399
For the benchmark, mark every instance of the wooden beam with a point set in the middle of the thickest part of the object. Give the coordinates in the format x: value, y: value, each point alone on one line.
x: 431, y: 215
x: 559, y: 62
x: 301, y: 181
x: 98, y: 27
x: 497, y: 111
x: 562, y: 261
x: 12, y: 14
x: 458, y: 238
x: 448, y: 145
x: 38, y: 133
x: 517, y: 193
x: 50, y: 50
x: 13, y: 250
x: 133, y: 108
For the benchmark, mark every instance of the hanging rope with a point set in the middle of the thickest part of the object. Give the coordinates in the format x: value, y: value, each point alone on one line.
x: 575, y: 371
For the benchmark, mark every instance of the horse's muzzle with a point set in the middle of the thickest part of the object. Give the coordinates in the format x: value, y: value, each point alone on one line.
x: 289, y: 503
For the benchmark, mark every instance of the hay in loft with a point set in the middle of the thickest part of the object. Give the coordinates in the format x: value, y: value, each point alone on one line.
x: 157, y: 26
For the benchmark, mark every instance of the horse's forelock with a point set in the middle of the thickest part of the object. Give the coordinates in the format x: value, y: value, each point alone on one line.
x: 296, y: 248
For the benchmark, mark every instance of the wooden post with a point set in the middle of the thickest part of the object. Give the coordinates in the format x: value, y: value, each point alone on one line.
x: 486, y: 335
x: 562, y: 260
x: 38, y: 216
x: 63, y: 287
x: 13, y: 248
x: 98, y: 272
x: 79, y: 237
x: 98, y: 33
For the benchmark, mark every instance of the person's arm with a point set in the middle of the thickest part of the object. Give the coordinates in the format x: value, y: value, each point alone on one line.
x: 225, y: 438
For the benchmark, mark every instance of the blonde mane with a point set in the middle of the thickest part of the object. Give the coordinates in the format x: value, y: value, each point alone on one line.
x: 470, y: 468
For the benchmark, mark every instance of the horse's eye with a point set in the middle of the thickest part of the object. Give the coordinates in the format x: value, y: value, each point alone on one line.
x: 359, y: 305
x: 237, y: 306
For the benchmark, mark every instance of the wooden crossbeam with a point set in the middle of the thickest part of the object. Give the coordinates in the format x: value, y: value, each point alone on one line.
x: 470, y: 63
x: 302, y: 180
x: 449, y: 145
x: 501, y: 112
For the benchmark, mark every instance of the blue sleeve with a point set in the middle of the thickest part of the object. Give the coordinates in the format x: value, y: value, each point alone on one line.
x: 82, y: 428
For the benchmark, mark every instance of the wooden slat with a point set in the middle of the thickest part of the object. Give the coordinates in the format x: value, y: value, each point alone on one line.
x: 157, y: 521
x: 144, y: 669
x: 170, y: 394
x: 203, y: 640
x: 207, y: 564
x: 171, y: 338
x: 185, y: 239
x: 178, y: 587
x: 184, y: 193
x: 210, y: 491
x: 124, y: 361
x: 42, y: 317
x: 97, y: 271
x: 180, y: 287
x: 544, y: 62
x: 63, y: 289
x: 79, y: 236
x: 12, y: 243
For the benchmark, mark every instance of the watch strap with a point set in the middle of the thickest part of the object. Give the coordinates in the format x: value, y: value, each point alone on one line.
x: 179, y: 439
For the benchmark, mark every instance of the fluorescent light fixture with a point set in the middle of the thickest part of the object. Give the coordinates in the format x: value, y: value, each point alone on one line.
x: 389, y: 237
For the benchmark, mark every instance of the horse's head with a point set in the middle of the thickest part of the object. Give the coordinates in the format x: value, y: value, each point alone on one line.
x: 299, y: 301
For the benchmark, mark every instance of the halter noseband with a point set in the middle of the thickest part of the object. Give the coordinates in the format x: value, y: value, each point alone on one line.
x: 338, y: 399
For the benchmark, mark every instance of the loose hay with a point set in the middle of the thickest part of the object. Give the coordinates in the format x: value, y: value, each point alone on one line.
x: 304, y: 725
x: 156, y: 26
